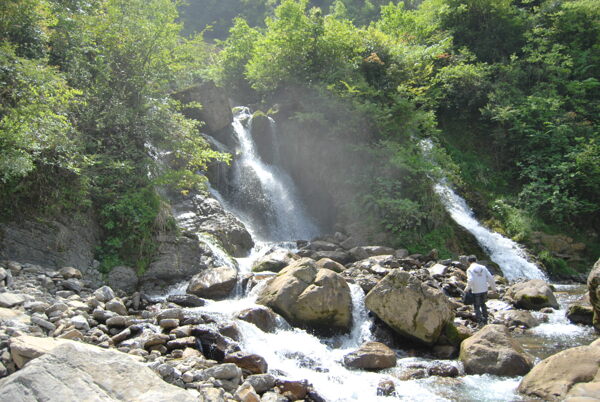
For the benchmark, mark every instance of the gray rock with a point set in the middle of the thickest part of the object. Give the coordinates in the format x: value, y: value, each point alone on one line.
x: 176, y: 313
x: 116, y: 305
x: 263, y: 317
x: 214, y: 283
x: 410, y: 307
x: 70, y: 272
x: 80, y: 322
x: 492, y: 350
x: 104, y: 294
x: 75, y: 371
x: 593, y: 283
x: 41, y: 322
x: 261, y: 382
x: 123, y: 278
x: 305, y: 296
x: 215, y: 110
x: 186, y: 300
x: 371, y: 356
x: 274, y: 261
x: 9, y: 300
x: 227, y: 371
x: 273, y: 397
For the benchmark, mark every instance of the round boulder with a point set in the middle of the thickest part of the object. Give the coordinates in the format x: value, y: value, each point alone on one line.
x: 492, y: 350
x: 410, y: 307
x: 371, y: 356
x: 579, y: 313
x: 263, y: 317
x: 308, y: 297
x: 534, y: 294
x: 556, y: 375
x: 213, y: 283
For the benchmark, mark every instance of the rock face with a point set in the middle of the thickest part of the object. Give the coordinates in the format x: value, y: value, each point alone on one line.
x: 203, y: 214
x: 318, y: 299
x: 492, y: 350
x: 70, y: 241
x: 179, y: 258
x: 534, y: 294
x: 371, y: 356
x: 555, y: 376
x: 593, y: 284
x: 213, y: 283
x: 215, y: 111
x: 75, y: 371
x: 410, y: 307
x: 124, y: 278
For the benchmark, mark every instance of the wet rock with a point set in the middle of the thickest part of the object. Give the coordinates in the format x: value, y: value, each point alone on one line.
x: 581, y: 314
x: 186, y: 300
x: 249, y: 363
x: 492, y: 350
x: 230, y: 330
x: 263, y: 317
x: 371, y: 356
x: 555, y: 376
x: 305, y: 296
x: 443, y: 370
x: 274, y: 261
x: 593, y: 284
x: 519, y: 318
x: 386, y: 388
x: 213, y: 345
x: 213, y: 283
x: 409, y: 307
x: 293, y: 390
x: 534, y: 294
x: 123, y: 278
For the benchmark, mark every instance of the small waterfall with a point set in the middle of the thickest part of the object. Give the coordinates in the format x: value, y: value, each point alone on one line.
x: 264, y: 193
x: 511, y: 257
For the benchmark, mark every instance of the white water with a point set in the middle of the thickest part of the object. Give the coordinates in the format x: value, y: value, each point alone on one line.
x: 511, y: 257
x: 285, y: 218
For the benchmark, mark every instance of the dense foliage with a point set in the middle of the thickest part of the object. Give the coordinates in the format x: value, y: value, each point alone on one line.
x: 85, y: 102
x: 508, y: 88
x: 507, y: 91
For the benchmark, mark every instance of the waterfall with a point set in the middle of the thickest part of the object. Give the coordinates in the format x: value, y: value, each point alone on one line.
x: 511, y: 257
x: 264, y: 193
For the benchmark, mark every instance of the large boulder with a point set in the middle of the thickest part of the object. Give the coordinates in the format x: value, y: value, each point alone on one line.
x: 274, y: 261
x: 123, y: 278
x: 410, y: 307
x: 213, y: 283
x: 214, y: 109
x: 25, y: 348
x: 492, y: 350
x: 555, y: 376
x: 200, y: 213
x: 308, y: 297
x: 593, y: 284
x: 534, y: 294
x: 75, y: 371
x: 581, y: 313
x: 371, y: 356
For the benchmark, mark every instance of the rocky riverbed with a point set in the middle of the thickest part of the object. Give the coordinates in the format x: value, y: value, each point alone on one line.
x: 60, y: 336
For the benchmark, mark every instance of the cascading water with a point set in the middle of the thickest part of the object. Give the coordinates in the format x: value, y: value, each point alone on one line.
x: 506, y: 253
x: 264, y: 193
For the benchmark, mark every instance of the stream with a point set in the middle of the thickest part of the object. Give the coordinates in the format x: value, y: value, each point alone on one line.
x: 295, y: 354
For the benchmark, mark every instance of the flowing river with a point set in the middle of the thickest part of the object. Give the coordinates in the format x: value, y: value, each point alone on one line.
x: 297, y: 355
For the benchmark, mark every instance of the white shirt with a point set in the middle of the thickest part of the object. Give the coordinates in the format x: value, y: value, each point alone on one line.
x: 478, y: 279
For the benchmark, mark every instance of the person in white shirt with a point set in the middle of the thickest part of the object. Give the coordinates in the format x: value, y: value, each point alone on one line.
x: 478, y: 280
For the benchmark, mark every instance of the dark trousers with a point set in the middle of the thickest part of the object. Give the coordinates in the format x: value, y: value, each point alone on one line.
x: 480, y: 307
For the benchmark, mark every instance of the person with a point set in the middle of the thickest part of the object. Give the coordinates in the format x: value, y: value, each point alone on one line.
x: 478, y: 280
